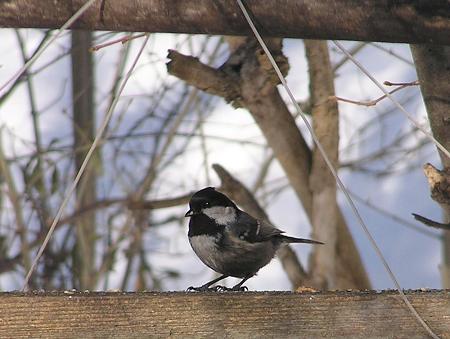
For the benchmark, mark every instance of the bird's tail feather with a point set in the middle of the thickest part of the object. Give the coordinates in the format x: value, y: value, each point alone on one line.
x: 287, y: 239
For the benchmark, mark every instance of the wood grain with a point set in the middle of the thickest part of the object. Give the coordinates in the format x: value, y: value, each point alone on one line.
x: 236, y: 315
x: 412, y: 21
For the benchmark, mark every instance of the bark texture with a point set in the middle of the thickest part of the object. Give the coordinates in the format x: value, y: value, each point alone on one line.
x: 83, y: 131
x: 433, y: 68
x: 323, y: 185
x: 412, y: 21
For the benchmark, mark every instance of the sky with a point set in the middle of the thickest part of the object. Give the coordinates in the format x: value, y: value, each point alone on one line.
x: 413, y: 256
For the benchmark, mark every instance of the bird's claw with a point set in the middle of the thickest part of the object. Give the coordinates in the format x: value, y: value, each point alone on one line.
x: 203, y: 289
x: 240, y: 288
x: 233, y: 289
x: 196, y: 289
x: 217, y: 288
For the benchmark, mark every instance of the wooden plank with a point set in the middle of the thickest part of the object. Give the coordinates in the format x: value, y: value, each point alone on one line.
x: 239, y: 315
x: 410, y: 21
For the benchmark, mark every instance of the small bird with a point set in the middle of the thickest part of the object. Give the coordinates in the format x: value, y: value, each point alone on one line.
x: 230, y: 241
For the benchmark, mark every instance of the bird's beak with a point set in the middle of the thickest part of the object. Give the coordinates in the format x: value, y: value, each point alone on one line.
x: 189, y: 213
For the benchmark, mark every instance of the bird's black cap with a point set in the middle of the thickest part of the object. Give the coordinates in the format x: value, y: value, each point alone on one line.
x: 208, y: 197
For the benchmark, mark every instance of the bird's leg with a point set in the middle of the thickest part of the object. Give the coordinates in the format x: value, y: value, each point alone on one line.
x: 205, y: 287
x: 237, y: 287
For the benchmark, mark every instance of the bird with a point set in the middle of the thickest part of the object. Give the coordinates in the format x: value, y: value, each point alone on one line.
x: 229, y: 240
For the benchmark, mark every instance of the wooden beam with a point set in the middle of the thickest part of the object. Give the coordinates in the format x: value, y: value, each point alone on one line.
x: 244, y: 314
x: 413, y: 21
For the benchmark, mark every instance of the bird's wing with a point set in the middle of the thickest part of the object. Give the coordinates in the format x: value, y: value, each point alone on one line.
x: 253, y: 230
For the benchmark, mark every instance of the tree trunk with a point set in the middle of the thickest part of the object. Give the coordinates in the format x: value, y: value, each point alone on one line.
x: 83, y: 131
x: 433, y: 68
x: 325, y: 116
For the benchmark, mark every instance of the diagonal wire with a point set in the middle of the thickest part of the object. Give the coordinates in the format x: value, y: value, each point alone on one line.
x: 333, y: 171
x: 72, y: 187
x: 396, y: 103
x: 66, y: 25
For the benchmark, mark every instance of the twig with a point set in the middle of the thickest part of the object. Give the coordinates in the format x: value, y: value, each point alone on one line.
x: 14, y: 197
x: 389, y: 51
x: 38, y: 175
x: 394, y: 217
x: 408, y: 115
x: 411, y: 83
x: 376, y: 101
x: 122, y: 40
x: 431, y: 223
x: 353, y: 51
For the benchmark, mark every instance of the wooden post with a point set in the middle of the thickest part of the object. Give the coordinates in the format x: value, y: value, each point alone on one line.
x: 351, y: 314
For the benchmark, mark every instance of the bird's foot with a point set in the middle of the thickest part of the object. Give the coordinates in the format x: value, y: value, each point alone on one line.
x: 236, y: 288
x: 217, y: 288
x: 203, y: 289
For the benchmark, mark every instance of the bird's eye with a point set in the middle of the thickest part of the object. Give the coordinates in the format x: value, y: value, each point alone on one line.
x: 206, y: 204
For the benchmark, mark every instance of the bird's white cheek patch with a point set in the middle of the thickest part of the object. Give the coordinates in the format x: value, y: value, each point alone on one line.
x: 221, y: 215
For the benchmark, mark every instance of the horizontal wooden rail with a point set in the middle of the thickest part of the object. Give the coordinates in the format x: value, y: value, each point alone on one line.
x: 412, y: 21
x: 351, y: 314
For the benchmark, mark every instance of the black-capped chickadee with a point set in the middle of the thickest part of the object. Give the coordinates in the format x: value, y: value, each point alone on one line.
x: 230, y: 241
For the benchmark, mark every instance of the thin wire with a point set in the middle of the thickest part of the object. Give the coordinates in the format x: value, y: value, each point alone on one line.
x: 68, y: 23
x: 396, y: 103
x: 71, y: 189
x: 333, y: 171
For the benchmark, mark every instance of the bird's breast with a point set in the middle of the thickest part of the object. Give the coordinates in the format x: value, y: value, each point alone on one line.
x: 207, y: 249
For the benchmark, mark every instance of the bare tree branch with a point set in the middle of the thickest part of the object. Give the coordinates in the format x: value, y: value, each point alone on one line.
x: 439, y: 182
x: 431, y: 223
x: 41, y: 201
x: 8, y: 178
x: 205, y: 77
x: 376, y: 101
